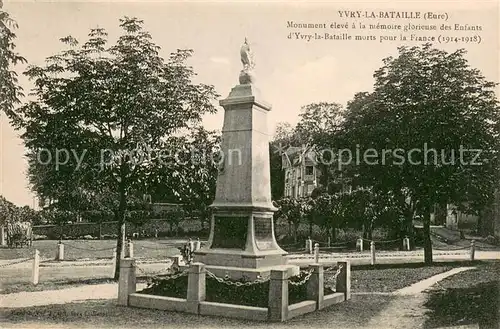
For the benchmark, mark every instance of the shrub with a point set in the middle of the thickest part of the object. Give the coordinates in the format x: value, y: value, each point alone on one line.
x: 494, y: 240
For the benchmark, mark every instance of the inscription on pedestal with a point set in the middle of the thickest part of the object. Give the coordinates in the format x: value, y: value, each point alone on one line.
x: 263, y: 232
x: 230, y: 232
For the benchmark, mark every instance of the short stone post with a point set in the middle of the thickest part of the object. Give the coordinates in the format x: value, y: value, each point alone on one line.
x: 127, y: 280
x: 278, y: 296
x: 2, y: 236
x: 315, y: 285
x: 372, y: 251
x: 177, y: 261
x: 130, y: 249
x: 114, y: 263
x: 343, y: 283
x: 316, y: 253
x: 406, y: 244
x: 191, y: 245
x: 359, y: 244
x: 36, y: 268
x: 60, y: 251
x: 196, y: 291
x: 472, y: 249
x: 197, y: 244
x: 124, y: 238
x: 309, y: 246
x: 329, y: 242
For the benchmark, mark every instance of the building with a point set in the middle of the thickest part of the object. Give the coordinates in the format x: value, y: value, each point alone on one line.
x: 301, y: 173
x: 459, y: 220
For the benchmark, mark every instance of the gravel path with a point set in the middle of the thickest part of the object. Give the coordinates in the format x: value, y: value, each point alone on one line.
x: 62, y: 296
x: 423, y: 285
x: 406, y: 310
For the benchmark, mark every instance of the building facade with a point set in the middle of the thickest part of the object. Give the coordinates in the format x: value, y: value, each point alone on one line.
x: 301, y: 174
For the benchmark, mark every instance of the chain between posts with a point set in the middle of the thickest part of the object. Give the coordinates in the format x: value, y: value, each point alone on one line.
x: 304, y: 280
x: 451, y: 249
x: 330, y: 269
x: 228, y: 282
x: 16, y: 262
x: 86, y: 249
x: 333, y: 278
x: 158, y: 275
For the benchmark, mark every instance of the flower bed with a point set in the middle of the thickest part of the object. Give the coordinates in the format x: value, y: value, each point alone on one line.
x: 256, y: 294
x: 297, y: 293
x: 162, y: 286
x: 252, y: 295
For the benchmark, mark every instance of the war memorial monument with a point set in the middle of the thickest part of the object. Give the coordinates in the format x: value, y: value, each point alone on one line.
x: 242, y: 249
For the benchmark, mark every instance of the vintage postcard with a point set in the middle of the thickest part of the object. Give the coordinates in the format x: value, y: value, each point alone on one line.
x: 221, y: 164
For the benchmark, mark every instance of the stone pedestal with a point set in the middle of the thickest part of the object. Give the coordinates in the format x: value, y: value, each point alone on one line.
x: 278, y: 296
x: 127, y: 281
x: 3, y: 241
x: 315, y: 285
x: 242, y: 231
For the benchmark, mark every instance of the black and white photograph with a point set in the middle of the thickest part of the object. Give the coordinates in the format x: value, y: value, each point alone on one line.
x: 249, y: 164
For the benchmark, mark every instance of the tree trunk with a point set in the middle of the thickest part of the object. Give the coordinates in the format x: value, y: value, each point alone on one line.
x: 370, y: 231
x: 310, y: 229
x: 333, y: 234
x: 479, y: 224
x: 100, y: 230
x: 411, y: 235
x: 295, y: 231
x: 120, y: 214
x: 427, y: 237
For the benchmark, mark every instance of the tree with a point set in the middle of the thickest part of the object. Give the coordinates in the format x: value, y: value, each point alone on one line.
x: 194, y: 177
x: 318, y: 124
x: 107, y: 112
x: 293, y: 211
x: 331, y: 212
x: 318, y: 119
x: 26, y: 214
x: 368, y: 210
x: 433, y: 102
x: 10, y: 91
x: 284, y: 137
x: 8, y: 211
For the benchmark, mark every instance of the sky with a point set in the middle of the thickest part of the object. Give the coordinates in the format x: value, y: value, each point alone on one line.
x: 290, y: 73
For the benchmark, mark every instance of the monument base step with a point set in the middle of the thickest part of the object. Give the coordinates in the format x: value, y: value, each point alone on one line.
x: 240, y: 258
x: 250, y: 274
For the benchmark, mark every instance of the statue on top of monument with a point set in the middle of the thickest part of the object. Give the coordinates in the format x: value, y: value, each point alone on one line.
x: 247, y: 56
x: 247, y: 59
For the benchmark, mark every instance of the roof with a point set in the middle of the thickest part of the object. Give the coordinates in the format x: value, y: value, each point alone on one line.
x: 294, y: 155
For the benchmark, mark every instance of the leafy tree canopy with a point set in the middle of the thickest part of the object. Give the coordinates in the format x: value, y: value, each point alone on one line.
x: 10, y: 91
x: 106, y: 116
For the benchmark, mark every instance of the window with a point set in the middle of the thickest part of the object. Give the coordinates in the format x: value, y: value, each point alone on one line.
x: 310, y: 189
x: 309, y: 170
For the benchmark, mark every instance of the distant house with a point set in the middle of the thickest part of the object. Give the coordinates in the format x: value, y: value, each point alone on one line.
x: 458, y: 220
x: 301, y: 174
x: 159, y: 207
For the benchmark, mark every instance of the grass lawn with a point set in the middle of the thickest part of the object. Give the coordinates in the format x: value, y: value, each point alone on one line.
x: 470, y: 297
x: 352, y: 314
x: 92, y: 249
x: 57, y: 285
x: 379, y: 278
x: 391, y: 277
